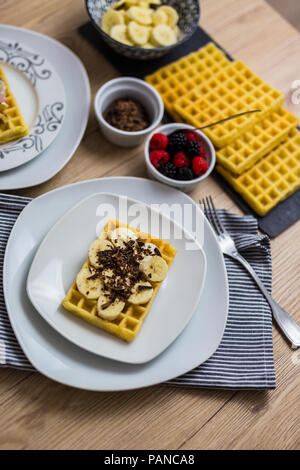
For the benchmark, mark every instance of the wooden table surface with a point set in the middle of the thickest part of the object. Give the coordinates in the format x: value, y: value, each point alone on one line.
x: 37, y: 413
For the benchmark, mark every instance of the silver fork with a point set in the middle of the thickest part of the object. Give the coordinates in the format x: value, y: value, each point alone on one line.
x: 284, y: 321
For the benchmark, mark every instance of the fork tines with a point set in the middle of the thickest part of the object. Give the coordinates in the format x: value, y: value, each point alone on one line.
x: 212, y: 215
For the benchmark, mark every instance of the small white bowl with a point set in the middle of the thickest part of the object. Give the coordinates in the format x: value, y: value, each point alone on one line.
x: 185, y: 186
x: 137, y: 90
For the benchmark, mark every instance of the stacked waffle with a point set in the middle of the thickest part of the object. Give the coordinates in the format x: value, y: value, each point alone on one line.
x: 259, y: 154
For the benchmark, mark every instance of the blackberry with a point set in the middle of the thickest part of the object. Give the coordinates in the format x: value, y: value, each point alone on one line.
x: 184, y: 173
x: 177, y: 142
x: 168, y: 169
x: 192, y: 149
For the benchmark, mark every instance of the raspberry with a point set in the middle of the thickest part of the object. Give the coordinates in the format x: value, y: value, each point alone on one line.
x: 200, y: 166
x: 159, y: 157
x: 192, y: 136
x: 180, y: 160
x: 168, y: 169
x: 177, y: 142
x: 184, y: 174
x: 202, y: 152
x: 193, y: 149
x: 159, y: 141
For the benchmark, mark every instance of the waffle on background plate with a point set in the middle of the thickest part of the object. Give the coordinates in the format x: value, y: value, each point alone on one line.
x: 128, y: 324
x: 205, y: 87
x: 12, y: 124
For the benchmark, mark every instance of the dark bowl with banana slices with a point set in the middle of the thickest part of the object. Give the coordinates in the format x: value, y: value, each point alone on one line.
x: 144, y: 29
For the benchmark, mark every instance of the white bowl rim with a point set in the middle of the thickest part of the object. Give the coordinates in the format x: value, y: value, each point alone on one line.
x: 134, y: 81
x: 164, y: 178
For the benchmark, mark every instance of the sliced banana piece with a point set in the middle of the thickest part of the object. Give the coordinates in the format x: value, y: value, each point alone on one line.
x: 101, y: 244
x: 138, y: 34
x: 125, y: 17
x: 110, y: 19
x: 90, y: 288
x: 177, y: 32
x: 154, y: 268
x: 160, y: 17
x: 119, y: 33
x: 148, y: 45
x: 171, y: 13
x: 131, y: 3
x: 163, y: 36
x: 143, y: 4
x: 140, y: 15
x: 107, y: 307
x: 122, y: 235
x: 141, y: 293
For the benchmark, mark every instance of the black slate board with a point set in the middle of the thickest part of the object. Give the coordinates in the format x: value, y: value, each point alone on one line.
x: 278, y: 219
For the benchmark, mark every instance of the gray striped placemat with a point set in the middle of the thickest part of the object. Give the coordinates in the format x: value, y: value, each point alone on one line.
x: 244, y: 359
x: 11, y: 355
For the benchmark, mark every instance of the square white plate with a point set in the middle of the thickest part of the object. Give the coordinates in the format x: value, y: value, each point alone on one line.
x: 63, y: 252
x: 59, y: 359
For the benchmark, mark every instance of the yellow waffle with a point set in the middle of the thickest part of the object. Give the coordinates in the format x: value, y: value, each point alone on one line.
x: 128, y: 324
x: 179, y: 78
x: 14, y: 126
x: 254, y: 144
x: 233, y: 90
x: 272, y: 179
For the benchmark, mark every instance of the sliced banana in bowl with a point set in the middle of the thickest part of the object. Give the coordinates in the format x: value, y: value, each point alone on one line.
x: 163, y: 36
x: 110, y: 19
x: 160, y: 17
x: 119, y: 33
x: 140, y: 15
x: 171, y: 14
x: 148, y: 45
x: 138, y: 34
x: 140, y: 23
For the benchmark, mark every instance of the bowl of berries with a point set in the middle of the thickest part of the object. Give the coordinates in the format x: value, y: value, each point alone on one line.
x: 179, y: 155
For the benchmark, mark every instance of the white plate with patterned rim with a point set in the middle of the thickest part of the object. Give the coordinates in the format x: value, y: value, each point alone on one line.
x: 63, y: 361
x: 74, y: 77
x: 40, y: 95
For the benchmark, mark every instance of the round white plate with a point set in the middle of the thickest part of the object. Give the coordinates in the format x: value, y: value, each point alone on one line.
x: 40, y: 95
x: 74, y: 77
x: 61, y: 360
x: 61, y: 256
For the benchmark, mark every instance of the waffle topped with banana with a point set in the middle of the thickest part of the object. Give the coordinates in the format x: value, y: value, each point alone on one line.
x: 12, y: 124
x: 115, y: 288
x: 3, y: 104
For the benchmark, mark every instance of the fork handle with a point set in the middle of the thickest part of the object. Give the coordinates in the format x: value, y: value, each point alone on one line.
x: 283, y: 320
